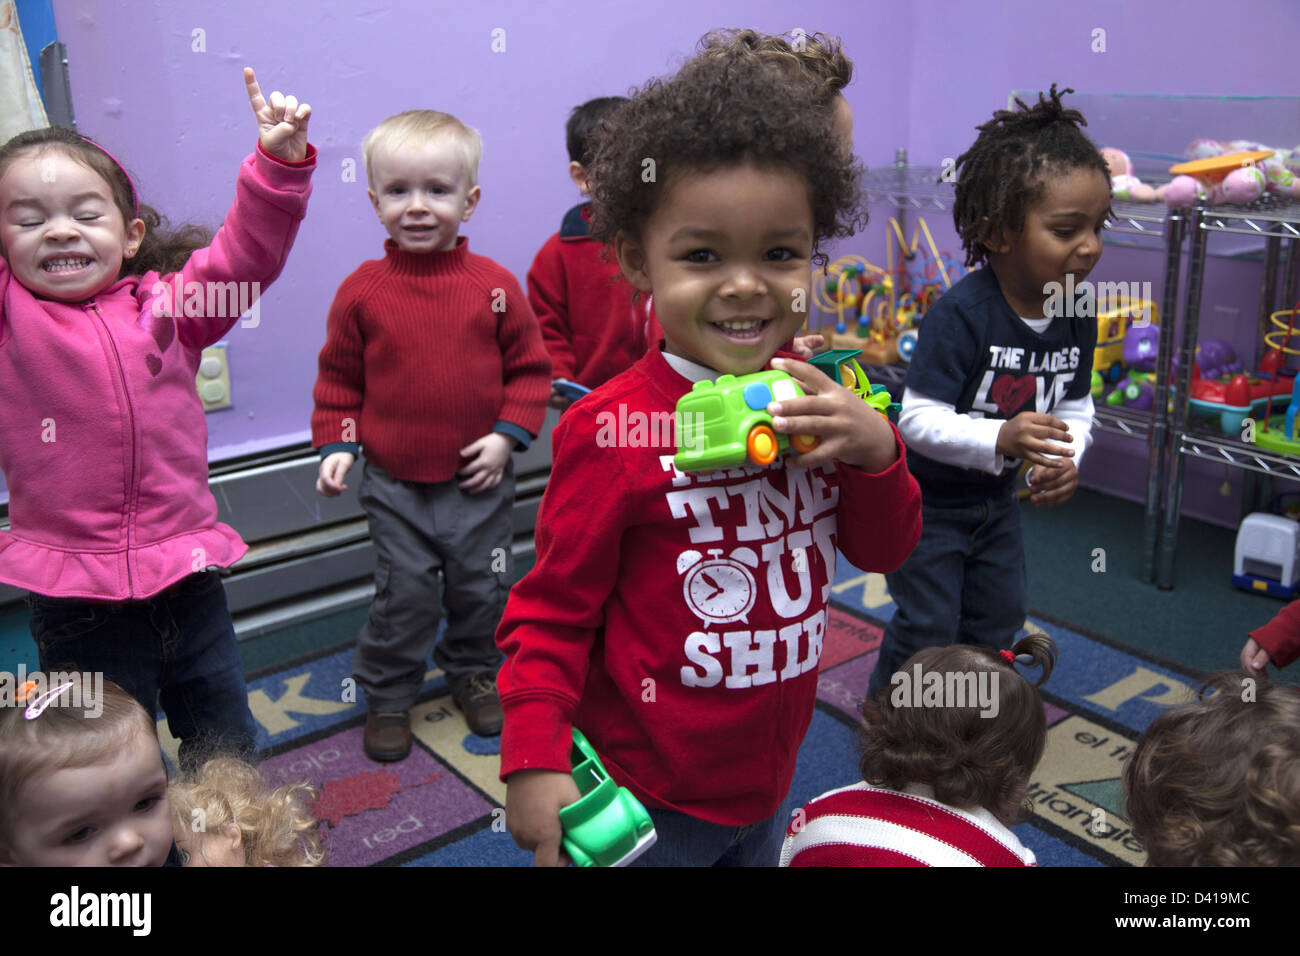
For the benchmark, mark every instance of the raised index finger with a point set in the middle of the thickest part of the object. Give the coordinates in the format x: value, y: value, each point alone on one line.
x: 255, y: 97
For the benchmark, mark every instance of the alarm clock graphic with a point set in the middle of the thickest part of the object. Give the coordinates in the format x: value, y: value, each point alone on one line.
x: 718, y: 589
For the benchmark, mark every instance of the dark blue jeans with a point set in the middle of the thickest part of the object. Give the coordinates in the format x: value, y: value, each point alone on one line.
x: 964, y: 584
x: 178, y: 645
x: 682, y: 840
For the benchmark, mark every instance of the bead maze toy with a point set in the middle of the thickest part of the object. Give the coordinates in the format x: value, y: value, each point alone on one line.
x: 876, y: 310
x: 1279, y: 432
x: 725, y: 423
x: 607, y: 826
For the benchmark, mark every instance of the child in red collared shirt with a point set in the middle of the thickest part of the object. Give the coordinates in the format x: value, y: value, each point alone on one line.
x: 592, y: 323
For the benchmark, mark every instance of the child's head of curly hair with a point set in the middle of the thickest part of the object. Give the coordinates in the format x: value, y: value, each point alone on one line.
x: 821, y: 57
x: 1217, y: 782
x: 230, y: 799
x: 719, y: 111
x: 1003, y: 174
x: 972, y: 730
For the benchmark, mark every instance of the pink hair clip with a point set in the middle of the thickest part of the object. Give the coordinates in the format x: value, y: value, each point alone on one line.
x: 37, y: 707
x: 1010, y: 657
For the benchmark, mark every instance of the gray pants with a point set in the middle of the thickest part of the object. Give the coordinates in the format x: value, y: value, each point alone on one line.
x: 420, y: 530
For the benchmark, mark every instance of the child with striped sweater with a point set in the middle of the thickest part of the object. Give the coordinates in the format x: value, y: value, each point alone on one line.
x: 949, y: 749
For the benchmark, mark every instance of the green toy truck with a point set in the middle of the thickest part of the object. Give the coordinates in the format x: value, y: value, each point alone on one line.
x: 725, y: 423
x: 607, y: 826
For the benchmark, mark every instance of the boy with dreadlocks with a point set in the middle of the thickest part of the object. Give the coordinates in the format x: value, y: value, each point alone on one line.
x: 997, y: 378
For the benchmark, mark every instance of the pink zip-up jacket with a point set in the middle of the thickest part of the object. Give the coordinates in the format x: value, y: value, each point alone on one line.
x: 103, y: 442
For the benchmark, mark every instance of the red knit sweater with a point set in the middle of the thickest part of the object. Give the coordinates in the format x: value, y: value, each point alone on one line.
x: 424, y: 354
x: 1281, y: 636
x: 677, y: 620
x: 592, y: 328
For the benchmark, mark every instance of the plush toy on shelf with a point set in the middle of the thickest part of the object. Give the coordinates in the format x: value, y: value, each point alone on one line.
x: 1238, y: 172
x: 1123, y: 184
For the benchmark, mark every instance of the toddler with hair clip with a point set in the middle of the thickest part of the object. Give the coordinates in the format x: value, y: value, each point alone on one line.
x: 225, y: 814
x: 103, y: 442
x: 945, y: 779
x: 82, y: 781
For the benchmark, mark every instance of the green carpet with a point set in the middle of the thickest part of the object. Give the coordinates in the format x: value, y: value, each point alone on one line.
x: 1201, y: 624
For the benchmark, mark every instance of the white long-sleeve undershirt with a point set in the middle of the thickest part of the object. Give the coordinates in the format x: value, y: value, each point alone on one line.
x: 936, y: 430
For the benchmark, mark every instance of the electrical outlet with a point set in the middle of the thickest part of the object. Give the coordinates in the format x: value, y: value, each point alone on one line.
x: 213, y: 380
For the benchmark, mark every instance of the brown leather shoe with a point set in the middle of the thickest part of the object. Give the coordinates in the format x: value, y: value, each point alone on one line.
x: 388, y: 736
x: 482, y: 707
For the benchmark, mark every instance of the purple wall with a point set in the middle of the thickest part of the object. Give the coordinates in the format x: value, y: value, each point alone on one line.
x: 927, y: 73
x: 183, y: 124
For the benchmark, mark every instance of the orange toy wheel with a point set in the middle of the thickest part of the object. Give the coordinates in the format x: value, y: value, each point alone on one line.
x: 803, y: 443
x: 761, y: 445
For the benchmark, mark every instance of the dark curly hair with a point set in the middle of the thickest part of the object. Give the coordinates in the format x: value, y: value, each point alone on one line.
x: 969, y: 757
x: 821, y: 56
x: 1002, y: 175
x: 718, y: 111
x: 163, y: 249
x: 1217, y: 782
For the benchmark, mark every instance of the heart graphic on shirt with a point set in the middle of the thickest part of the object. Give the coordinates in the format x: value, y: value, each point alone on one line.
x: 1009, y: 393
x: 154, y: 363
x: 161, y: 327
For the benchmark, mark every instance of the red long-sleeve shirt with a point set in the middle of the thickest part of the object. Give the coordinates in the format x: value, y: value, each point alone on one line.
x: 1281, y: 636
x: 424, y: 354
x: 676, y: 619
x: 592, y: 327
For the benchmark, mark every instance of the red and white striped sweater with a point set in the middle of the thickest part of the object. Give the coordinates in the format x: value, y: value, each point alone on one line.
x: 864, y: 825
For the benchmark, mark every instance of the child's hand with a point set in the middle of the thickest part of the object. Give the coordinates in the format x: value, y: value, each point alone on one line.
x: 1026, y: 436
x: 558, y: 400
x: 333, y: 469
x: 281, y: 124
x: 1253, y: 657
x: 850, y: 430
x: 487, y: 462
x: 534, y: 799
x: 1053, y: 483
x: 807, y: 345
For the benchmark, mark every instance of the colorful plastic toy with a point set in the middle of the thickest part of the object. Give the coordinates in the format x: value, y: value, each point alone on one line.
x: 1113, y: 327
x: 1279, y: 432
x: 842, y: 365
x: 570, y: 390
x: 607, y: 826
x: 1234, y: 398
x: 725, y: 423
x: 1141, y: 347
x: 1267, y: 556
x: 873, y: 307
x: 1136, y: 390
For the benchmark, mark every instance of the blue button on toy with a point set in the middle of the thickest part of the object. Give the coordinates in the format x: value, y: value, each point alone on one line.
x: 758, y: 395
